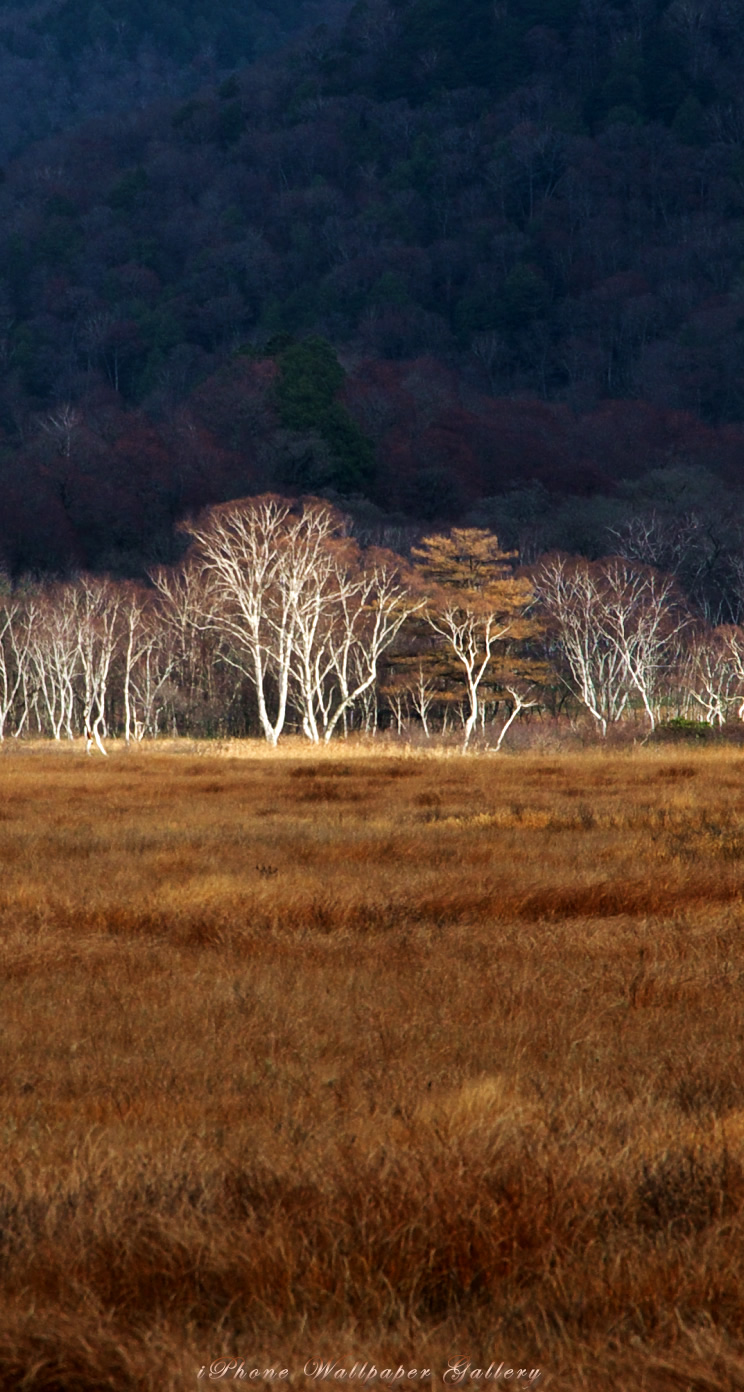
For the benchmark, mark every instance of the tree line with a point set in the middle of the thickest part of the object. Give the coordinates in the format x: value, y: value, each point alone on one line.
x: 277, y: 620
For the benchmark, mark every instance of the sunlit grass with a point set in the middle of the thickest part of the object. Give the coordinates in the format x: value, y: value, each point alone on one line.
x: 362, y: 1055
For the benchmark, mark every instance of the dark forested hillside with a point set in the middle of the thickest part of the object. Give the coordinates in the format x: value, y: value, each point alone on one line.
x: 62, y: 61
x: 432, y: 252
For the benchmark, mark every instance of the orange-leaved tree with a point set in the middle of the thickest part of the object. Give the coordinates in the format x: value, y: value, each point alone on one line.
x: 479, y: 608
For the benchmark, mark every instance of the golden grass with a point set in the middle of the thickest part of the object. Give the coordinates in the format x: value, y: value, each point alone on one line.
x: 383, y: 1057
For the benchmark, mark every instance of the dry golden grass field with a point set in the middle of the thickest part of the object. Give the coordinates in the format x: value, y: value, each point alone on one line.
x: 373, y: 1057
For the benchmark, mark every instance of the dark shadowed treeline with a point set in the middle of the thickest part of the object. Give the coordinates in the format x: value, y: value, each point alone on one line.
x: 518, y: 229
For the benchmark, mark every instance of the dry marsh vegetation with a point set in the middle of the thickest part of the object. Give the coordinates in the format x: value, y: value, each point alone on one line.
x: 365, y: 1056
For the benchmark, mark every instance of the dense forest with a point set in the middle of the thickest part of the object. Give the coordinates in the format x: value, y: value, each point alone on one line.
x: 65, y: 61
x: 476, y: 262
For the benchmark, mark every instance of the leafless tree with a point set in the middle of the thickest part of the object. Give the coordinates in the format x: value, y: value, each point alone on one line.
x: 147, y: 658
x: 397, y: 700
x: 522, y: 696
x: 259, y: 558
x: 95, y: 604
x: 689, y: 547
x: 422, y: 690
x: 304, y: 614
x: 642, y: 616
x: 62, y: 424
x: 710, y: 672
x: 615, y: 623
x: 655, y: 540
x: 54, y: 657
x: 314, y: 600
x: 187, y: 645
x: 732, y: 636
x: 12, y: 651
x: 372, y: 604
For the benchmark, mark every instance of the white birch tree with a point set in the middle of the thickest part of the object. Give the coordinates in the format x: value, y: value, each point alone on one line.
x: 617, y: 624
x: 148, y: 659
x: 95, y: 607
x: 258, y: 556
x: 54, y: 657
x: 13, y: 652
x: 374, y: 601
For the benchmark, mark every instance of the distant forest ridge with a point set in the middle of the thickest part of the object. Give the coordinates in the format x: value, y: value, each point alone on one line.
x: 437, y: 260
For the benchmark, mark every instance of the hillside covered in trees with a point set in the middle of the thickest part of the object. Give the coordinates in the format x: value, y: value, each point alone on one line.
x: 65, y: 61
x: 445, y: 262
